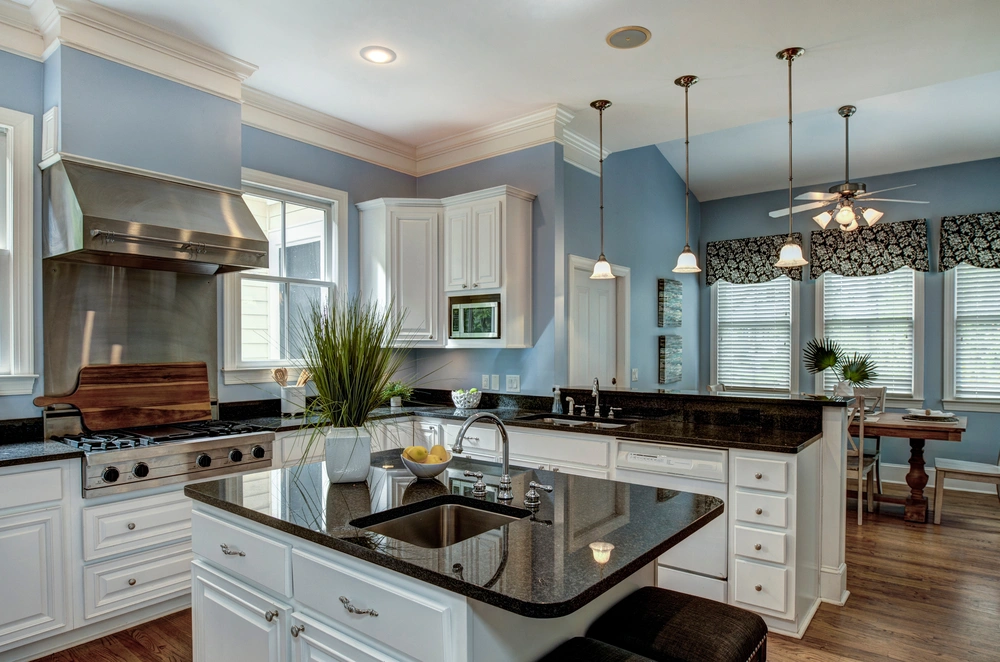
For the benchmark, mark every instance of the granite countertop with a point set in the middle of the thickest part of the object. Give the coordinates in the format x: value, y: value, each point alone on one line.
x: 540, y: 566
x: 27, y: 452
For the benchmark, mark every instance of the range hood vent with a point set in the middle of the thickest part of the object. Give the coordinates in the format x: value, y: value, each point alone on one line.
x: 99, y: 215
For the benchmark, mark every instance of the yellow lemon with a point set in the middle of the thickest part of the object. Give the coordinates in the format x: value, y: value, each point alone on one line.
x: 440, y: 451
x: 416, y: 453
x: 435, y: 459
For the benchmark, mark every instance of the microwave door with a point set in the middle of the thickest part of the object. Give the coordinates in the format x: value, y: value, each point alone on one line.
x: 479, y: 321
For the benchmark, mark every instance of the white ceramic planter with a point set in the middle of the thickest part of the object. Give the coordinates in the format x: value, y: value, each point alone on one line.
x: 396, y: 401
x: 844, y: 388
x: 348, y: 454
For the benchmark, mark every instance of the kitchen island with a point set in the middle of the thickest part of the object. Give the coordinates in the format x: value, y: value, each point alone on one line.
x: 283, y: 570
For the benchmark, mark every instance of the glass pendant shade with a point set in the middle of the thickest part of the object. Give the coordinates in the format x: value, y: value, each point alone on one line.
x: 823, y: 219
x: 687, y: 262
x: 872, y: 216
x: 846, y: 215
x: 850, y: 227
x: 791, y: 256
x: 602, y: 269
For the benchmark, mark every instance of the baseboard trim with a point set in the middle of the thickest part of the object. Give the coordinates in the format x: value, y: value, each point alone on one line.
x: 896, y: 474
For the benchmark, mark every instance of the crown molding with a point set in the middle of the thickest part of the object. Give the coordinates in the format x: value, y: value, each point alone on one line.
x: 94, y: 29
x: 582, y: 152
x: 486, y: 194
x: 17, y: 31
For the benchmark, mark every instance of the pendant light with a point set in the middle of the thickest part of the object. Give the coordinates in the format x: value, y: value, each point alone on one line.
x: 791, y: 252
x: 687, y: 262
x: 602, y: 269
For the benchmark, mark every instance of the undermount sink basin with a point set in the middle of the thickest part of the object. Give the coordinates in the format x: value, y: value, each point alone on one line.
x: 599, y: 425
x: 441, y: 521
x: 576, y: 422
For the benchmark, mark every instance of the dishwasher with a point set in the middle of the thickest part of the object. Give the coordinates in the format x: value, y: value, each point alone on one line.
x: 698, y: 565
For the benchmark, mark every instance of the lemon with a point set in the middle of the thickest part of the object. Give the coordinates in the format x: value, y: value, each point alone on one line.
x: 416, y: 453
x: 440, y: 451
x: 435, y: 459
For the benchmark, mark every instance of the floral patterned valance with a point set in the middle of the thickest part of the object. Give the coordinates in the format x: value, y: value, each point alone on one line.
x: 973, y: 239
x: 869, y: 251
x: 748, y: 260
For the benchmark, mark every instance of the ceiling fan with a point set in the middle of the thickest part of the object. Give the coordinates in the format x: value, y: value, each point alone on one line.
x: 843, y: 198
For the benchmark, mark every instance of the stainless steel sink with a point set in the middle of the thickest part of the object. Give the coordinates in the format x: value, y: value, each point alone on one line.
x: 443, y: 524
x: 599, y: 425
x: 574, y: 422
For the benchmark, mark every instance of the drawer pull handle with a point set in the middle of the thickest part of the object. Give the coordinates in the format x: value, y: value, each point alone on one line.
x: 759, y: 511
x: 131, y: 526
x: 131, y: 582
x: 758, y: 588
x: 757, y: 547
x: 270, y: 615
x: 354, y: 610
x: 296, y: 629
x: 231, y: 552
x: 758, y: 475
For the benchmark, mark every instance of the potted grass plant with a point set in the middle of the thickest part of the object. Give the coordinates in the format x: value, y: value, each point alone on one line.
x: 349, y: 349
x: 823, y: 354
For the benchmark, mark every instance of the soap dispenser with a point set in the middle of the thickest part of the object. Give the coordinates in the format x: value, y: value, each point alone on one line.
x: 557, y: 407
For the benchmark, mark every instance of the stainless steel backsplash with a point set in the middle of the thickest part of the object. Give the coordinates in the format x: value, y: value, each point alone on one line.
x: 156, y: 317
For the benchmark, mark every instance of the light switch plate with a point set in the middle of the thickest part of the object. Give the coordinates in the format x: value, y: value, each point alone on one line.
x: 486, y: 382
x: 495, y: 382
x: 513, y: 383
x: 635, y: 374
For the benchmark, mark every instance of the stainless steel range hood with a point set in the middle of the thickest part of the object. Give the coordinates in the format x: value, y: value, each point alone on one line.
x: 103, y: 216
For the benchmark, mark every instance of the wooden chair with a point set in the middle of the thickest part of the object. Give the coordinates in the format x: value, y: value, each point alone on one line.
x: 978, y: 472
x: 716, y: 388
x: 874, y: 405
x: 860, y: 466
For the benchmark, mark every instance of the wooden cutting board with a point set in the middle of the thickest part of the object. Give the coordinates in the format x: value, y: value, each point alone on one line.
x: 140, y: 394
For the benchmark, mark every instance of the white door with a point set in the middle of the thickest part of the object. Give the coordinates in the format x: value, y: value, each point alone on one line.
x: 31, y: 582
x: 232, y: 623
x: 486, y: 245
x: 429, y: 435
x: 457, y: 257
x: 415, y: 273
x: 593, y: 340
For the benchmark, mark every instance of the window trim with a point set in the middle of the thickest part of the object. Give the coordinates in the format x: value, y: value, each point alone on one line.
x: 21, y: 137
x: 950, y: 400
x: 793, y: 378
x: 233, y: 371
x: 915, y: 399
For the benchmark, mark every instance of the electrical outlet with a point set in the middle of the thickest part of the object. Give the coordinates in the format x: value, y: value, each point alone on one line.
x: 495, y: 382
x: 486, y: 382
x: 513, y: 383
x: 635, y: 374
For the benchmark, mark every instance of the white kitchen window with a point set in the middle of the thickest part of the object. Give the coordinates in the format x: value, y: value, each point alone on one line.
x: 306, y: 229
x: 754, y: 335
x: 16, y: 253
x: 972, y: 339
x: 879, y: 315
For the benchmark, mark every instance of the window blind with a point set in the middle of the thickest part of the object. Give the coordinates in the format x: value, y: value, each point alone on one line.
x: 977, y: 332
x: 873, y: 315
x: 754, y: 335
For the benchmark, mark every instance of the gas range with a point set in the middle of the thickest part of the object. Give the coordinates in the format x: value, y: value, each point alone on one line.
x: 118, y: 461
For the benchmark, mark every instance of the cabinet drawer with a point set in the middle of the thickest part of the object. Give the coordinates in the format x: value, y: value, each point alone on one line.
x: 413, y: 624
x: 757, y: 474
x: 761, y: 585
x: 243, y: 553
x: 28, y: 487
x: 316, y: 642
x: 762, y: 509
x: 759, y: 544
x: 136, y: 580
x: 477, y: 438
x: 592, y: 450
x: 132, y: 524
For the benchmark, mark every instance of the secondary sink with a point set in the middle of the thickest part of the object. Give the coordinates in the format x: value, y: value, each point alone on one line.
x: 576, y: 422
x: 441, y: 521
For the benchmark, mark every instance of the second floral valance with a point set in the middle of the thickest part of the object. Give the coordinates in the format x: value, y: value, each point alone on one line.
x: 869, y: 251
x: 749, y: 260
x: 973, y: 239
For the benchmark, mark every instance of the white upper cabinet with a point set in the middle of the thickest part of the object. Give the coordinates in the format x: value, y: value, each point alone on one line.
x: 472, y: 247
x: 457, y: 253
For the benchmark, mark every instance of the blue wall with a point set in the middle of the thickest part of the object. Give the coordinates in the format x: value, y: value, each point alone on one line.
x: 964, y: 188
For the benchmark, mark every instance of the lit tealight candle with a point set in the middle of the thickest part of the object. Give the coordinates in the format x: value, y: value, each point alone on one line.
x: 602, y: 551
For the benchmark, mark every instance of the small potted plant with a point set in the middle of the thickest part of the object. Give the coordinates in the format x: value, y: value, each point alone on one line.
x: 396, y: 392
x: 855, y: 370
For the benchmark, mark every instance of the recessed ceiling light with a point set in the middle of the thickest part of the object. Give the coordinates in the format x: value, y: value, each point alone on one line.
x: 630, y: 36
x: 378, y: 54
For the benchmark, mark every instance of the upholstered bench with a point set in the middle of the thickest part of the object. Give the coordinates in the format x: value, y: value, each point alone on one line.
x: 666, y: 626
x: 581, y: 649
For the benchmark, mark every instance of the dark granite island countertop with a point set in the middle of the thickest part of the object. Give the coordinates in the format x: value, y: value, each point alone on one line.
x: 540, y: 566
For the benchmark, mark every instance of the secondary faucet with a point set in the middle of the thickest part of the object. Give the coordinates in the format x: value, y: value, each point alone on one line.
x: 597, y: 398
x: 505, y: 491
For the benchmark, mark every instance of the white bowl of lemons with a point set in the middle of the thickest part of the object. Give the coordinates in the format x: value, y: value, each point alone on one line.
x: 426, y: 464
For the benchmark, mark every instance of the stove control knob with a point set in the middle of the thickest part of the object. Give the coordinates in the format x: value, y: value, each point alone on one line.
x: 235, y: 455
x: 140, y: 470
x: 258, y: 452
x: 204, y: 461
x: 110, y: 475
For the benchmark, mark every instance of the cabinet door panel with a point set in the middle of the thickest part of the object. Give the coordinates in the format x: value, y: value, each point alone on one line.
x: 486, y: 263
x: 415, y: 274
x: 456, y: 246
x: 316, y: 642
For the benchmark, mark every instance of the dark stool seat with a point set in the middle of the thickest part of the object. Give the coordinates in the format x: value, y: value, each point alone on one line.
x: 667, y: 626
x: 581, y: 649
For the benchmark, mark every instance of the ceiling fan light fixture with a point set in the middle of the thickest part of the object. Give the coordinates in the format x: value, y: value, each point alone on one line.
x: 823, y: 219
x: 791, y: 256
x: 872, y: 216
x: 846, y: 215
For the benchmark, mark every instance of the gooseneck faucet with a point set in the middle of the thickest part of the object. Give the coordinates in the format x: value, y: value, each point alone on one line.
x: 505, y: 491
x: 597, y: 398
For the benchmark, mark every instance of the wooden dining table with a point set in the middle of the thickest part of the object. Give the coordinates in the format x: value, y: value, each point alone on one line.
x: 891, y: 424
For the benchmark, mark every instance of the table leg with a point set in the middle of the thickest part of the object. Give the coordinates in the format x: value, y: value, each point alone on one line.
x: 916, y: 503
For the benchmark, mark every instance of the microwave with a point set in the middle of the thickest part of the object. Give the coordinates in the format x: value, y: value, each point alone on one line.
x: 475, y: 317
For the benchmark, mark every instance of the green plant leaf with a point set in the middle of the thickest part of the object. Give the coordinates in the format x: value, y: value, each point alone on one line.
x: 822, y: 354
x: 859, y: 369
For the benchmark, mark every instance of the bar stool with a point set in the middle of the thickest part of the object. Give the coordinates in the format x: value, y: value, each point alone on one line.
x: 582, y: 649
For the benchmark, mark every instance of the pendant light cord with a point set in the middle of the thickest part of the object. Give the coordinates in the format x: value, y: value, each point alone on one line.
x: 687, y: 175
x: 790, y: 58
x: 847, y: 149
x: 600, y: 120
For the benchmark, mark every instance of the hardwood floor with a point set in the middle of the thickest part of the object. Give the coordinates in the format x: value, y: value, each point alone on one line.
x: 918, y: 592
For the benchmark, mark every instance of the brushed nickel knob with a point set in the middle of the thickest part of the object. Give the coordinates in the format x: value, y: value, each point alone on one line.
x: 131, y: 582
x: 270, y: 615
x: 296, y: 629
x: 131, y: 526
x: 465, y: 287
x: 759, y: 511
x: 758, y: 588
x: 757, y: 547
x: 758, y: 475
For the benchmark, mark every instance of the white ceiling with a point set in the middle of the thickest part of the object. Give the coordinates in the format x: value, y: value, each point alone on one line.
x: 464, y: 64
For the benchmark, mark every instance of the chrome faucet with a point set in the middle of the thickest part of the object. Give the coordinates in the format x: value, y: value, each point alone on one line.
x: 597, y: 398
x: 505, y: 490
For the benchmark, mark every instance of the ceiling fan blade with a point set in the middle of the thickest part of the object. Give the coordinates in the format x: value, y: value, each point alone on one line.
x: 817, y: 195
x: 778, y: 213
x: 913, y: 202
x: 894, y: 188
